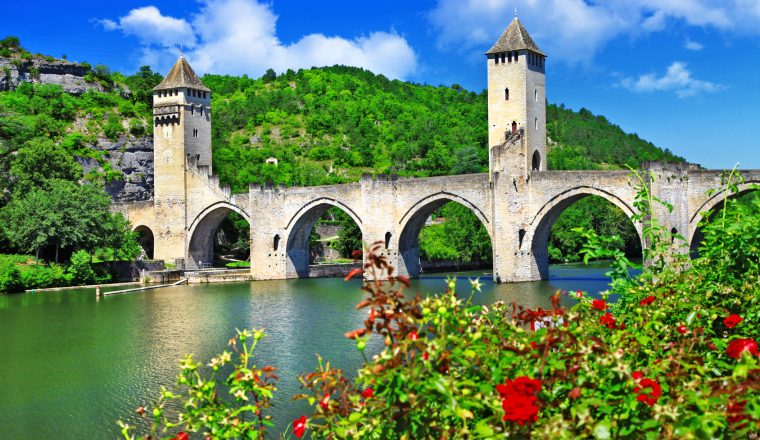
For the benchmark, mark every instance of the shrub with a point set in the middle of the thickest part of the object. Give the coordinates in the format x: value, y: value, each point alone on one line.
x: 80, y: 269
x: 10, y: 277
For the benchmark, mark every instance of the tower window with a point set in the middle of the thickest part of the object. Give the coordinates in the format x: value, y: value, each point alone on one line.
x: 514, y: 127
x: 200, y: 111
x: 536, y: 162
x: 535, y: 95
x: 502, y: 57
x: 506, y: 94
x: 195, y: 132
x: 536, y: 123
x: 509, y: 55
x: 192, y: 109
x: 516, y: 55
x: 496, y: 59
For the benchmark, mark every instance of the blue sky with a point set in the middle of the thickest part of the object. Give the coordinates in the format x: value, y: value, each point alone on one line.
x: 684, y: 74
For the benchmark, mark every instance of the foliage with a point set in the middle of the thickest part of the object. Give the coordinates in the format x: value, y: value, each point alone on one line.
x: 219, y: 408
x: 19, y: 272
x: 460, y: 237
x: 80, y: 268
x: 40, y: 160
x: 349, y: 236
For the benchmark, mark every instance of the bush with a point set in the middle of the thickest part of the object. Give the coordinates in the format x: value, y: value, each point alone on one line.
x: 10, y: 278
x: 80, y: 269
x: 40, y: 277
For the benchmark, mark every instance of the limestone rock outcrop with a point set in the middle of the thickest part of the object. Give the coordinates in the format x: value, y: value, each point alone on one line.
x: 133, y: 156
x: 39, y: 70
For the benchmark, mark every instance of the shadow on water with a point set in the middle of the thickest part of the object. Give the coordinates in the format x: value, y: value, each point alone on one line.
x: 71, y: 365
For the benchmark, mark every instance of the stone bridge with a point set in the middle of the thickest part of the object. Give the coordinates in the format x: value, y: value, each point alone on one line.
x: 517, y: 210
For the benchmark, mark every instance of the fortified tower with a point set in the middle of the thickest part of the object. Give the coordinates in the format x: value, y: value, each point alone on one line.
x: 517, y: 100
x: 181, y: 139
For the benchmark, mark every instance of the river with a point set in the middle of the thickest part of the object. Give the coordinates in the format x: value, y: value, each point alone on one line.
x: 71, y: 365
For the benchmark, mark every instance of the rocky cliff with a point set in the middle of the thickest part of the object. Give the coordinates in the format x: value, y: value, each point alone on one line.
x: 133, y: 156
x: 38, y: 70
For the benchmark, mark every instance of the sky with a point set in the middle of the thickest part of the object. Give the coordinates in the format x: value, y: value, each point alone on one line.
x: 683, y: 74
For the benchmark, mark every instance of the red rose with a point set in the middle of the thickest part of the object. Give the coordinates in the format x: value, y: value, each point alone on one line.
x: 637, y: 375
x: 732, y: 320
x: 368, y: 392
x: 519, y: 399
x: 578, y: 294
x: 608, y: 320
x: 646, y: 301
x: 682, y: 329
x: 650, y: 398
x: 599, y: 304
x: 425, y: 355
x: 739, y: 346
x: 413, y: 336
x: 735, y: 412
x: 325, y: 402
x: 299, y: 426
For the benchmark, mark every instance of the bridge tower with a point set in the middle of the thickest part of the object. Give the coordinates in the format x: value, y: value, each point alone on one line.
x: 181, y: 139
x: 517, y: 99
x: 517, y: 146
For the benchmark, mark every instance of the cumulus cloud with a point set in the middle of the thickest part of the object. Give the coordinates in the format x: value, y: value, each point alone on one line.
x: 151, y: 27
x: 693, y: 45
x: 677, y: 79
x: 574, y: 30
x: 240, y: 36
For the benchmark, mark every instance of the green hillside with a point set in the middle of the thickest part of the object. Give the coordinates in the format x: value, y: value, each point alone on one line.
x: 324, y: 125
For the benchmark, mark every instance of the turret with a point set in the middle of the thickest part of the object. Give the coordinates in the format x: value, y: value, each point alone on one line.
x: 517, y: 99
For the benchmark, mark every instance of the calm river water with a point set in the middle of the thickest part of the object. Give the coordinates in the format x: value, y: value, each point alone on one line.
x: 71, y: 365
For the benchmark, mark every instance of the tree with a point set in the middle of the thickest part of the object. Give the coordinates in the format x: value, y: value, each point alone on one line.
x: 141, y: 84
x: 349, y: 235
x: 39, y: 160
x: 63, y: 215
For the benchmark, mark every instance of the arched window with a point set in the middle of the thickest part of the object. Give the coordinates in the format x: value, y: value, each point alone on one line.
x: 536, y: 165
x: 192, y: 109
x: 536, y: 123
x: 535, y: 95
x: 506, y: 94
x: 276, y: 242
x: 514, y: 127
x: 387, y: 239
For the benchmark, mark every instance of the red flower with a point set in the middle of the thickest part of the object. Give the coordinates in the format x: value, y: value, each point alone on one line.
x: 182, y: 435
x: 299, y: 426
x: 651, y: 398
x: 608, y: 320
x: 578, y: 294
x: 519, y: 399
x: 682, y: 329
x: 732, y: 320
x: 637, y: 375
x: 325, y: 402
x: 368, y: 392
x: 739, y: 346
x: 599, y: 304
x: 646, y: 301
x: 425, y: 355
x: 735, y: 413
x: 712, y: 346
x: 413, y: 336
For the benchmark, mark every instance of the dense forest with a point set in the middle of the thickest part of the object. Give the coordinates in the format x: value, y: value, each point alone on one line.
x: 324, y: 125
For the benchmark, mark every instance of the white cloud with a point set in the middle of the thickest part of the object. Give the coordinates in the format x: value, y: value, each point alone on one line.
x: 677, y: 79
x: 574, y: 30
x: 150, y: 27
x: 240, y: 36
x: 693, y: 45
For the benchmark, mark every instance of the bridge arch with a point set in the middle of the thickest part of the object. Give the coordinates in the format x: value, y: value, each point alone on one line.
x: 540, y: 227
x: 711, y: 204
x: 145, y: 239
x: 413, y: 220
x: 202, y: 229
x: 299, y: 229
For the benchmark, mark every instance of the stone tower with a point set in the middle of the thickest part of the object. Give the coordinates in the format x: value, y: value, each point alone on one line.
x: 517, y: 99
x: 181, y: 139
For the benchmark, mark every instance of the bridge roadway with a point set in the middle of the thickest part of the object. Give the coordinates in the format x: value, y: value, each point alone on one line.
x: 518, y: 212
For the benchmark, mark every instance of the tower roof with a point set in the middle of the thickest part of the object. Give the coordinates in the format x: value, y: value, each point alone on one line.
x: 515, y: 37
x: 181, y: 75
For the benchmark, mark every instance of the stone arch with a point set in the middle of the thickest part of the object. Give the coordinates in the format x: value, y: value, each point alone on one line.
x: 146, y: 240
x: 413, y: 221
x: 536, y: 161
x: 713, y: 202
x: 202, y: 229
x: 541, y: 224
x: 299, y: 229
